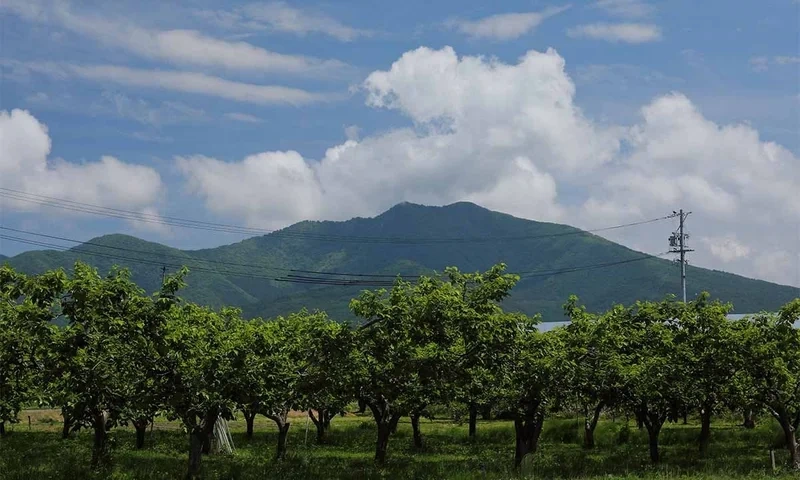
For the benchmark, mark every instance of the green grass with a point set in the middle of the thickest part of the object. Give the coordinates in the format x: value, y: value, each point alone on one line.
x: 40, y: 453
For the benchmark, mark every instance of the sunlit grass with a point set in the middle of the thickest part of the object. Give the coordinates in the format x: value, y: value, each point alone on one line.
x: 447, y: 453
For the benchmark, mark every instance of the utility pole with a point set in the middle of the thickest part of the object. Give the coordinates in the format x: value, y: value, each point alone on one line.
x: 163, y: 274
x: 677, y: 242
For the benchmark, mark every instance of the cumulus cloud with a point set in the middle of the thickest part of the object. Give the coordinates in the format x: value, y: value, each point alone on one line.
x: 504, y: 26
x: 617, y: 32
x: 726, y: 248
x: 24, y: 165
x: 469, y: 139
x: 509, y: 136
x: 179, y: 46
x: 277, y: 175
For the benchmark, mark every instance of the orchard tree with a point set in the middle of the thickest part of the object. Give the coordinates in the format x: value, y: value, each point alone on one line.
x: 148, y: 382
x: 528, y: 379
x: 481, y: 295
x: 656, y: 381
x: 276, y: 356
x: 771, y: 347
x: 94, y: 354
x: 705, y: 343
x: 202, y: 355
x: 27, y: 306
x: 591, y: 358
x: 407, y: 350
x: 327, y: 382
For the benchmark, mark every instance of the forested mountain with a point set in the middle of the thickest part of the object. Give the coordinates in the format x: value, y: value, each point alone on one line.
x: 399, y: 241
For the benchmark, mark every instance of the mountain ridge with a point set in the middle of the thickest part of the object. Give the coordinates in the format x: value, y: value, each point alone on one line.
x: 411, y: 239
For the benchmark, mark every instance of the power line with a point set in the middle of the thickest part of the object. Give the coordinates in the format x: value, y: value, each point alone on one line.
x: 293, y: 273
x: 313, y: 280
x: 227, y: 228
x: 186, y: 258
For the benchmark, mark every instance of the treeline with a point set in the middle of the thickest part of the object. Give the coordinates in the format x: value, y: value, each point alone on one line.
x: 125, y: 358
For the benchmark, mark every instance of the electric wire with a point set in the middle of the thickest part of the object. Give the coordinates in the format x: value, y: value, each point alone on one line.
x: 314, y: 279
x: 227, y: 228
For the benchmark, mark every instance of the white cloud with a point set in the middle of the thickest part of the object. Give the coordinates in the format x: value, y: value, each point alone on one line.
x: 273, y: 175
x: 151, y: 137
x: 779, y: 265
x: 787, y: 60
x: 759, y: 64
x: 626, y: 8
x: 24, y: 165
x: 510, y: 137
x: 504, y: 26
x: 726, y: 248
x: 243, y: 117
x: 187, y: 82
x: 352, y: 132
x: 762, y: 63
x: 618, y: 32
x: 472, y: 139
x: 144, y: 112
x: 282, y: 17
x: 180, y: 47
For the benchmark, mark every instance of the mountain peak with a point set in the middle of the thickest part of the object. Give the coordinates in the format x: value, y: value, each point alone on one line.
x: 554, y: 261
x: 410, y: 207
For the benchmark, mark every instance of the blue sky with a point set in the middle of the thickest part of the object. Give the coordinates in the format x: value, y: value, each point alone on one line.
x: 183, y: 94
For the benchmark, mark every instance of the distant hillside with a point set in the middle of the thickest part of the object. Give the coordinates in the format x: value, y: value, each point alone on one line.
x: 243, y: 274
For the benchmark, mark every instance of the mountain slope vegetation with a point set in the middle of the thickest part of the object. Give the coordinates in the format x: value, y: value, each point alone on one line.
x: 244, y: 274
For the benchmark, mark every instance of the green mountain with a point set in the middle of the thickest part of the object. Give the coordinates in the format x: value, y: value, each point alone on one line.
x: 244, y: 274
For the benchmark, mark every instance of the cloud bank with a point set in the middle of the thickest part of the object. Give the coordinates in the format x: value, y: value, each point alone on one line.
x: 510, y: 137
x: 24, y: 166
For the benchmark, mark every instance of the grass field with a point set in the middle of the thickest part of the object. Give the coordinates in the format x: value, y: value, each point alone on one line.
x: 38, y: 452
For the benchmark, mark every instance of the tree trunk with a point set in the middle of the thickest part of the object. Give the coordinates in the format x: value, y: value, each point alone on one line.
x: 749, y: 418
x: 141, y: 430
x: 589, y: 424
x: 283, y: 435
x: 794, y: 452
x: 2, y: 429
x: 386, y: 422
x: 653, y: 430
x: 686, y: 418
x: 100, y: 453
x: 789, y: 433
x: 196, y: 441
x: 383, y: 442
x: 415, y: 427
x: 207, y: 444
x: 67, y: 426
x: 527, y: 432
x: 249, y: 418
x: 486, y: 413
x: 321, y: 423
x: 473, y: 420
x: 705, y: 430
x: 281, y: 420
x: 199, y: 436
